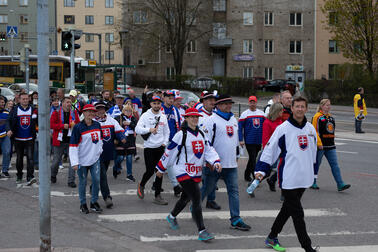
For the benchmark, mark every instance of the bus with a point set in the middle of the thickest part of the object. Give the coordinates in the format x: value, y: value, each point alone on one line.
x: 59, y: 69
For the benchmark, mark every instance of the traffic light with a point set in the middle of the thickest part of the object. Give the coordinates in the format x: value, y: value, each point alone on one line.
x: 78, y: 34
x: 66, y: 41
x: 3, y: 36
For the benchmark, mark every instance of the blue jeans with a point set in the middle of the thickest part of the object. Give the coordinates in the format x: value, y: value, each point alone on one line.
x: 211, y: 195
x: 6, y: 149
x: 36, y: 150
x: 118, y: 162
x: 82, y: 173
x: 230, y: 177
x: 331, y: 156
x: 129, y: 163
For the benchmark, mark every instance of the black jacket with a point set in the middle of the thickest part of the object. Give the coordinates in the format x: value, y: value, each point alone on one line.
x: 129, y: 147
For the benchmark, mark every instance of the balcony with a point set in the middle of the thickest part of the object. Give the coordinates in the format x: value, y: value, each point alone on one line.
x: 220, y: 42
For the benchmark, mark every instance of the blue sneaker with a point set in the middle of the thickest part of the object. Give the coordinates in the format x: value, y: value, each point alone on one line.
x: 239, y: 224
x: 205, y: 236
x: 172, y: 222
x: 274, y: 244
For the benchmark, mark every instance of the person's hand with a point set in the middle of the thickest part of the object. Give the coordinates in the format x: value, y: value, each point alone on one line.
x: 218, y: 167
x: 9, y: 133
x: 242, y: 144
x: 123, y: 140
x: 126, y: 123
x: 72, y: 125
x: 66, y: 126
x: 75, y: 167
x: 320, y: 147
x: 153, y: 130
x: 145, y: 89
x: 259, y: 176
x: 159, y: 174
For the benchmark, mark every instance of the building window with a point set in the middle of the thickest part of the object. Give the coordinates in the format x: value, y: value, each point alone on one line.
x: 109, y: 3
x: 24, y: 2
x: 89, y: 54
x: 358, y: 46
x: 268, y: 46
x: 219, y: 30
x: 333, y: 48
x: 192, y: 47
x: 248, y: 46
x: 24, y: 19
x: 3, y: 2
x: 268, y: 73
x: 247, y: 72
x: 140, y: 17
x: 332, y: 18
x: 109, y: 55
x: 168, y: 48
x: 89, y: 38
x: 268, y: 18
x: 69, y: 3
x: 23, y: 36
x: 219, y: 5
x: 295, y: 47
x: 3, y: 19
x: 296, y: 19
x: 109, y: 37
x: 171, y: 73
x: 332, y: 71
x: 109, y: 20
x: 89, y: 19
x: 89, y: 3
x: 248, y: 18
x: 69, y: 19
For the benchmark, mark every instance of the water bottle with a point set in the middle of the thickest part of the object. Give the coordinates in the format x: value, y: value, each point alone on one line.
x: 251, y: 188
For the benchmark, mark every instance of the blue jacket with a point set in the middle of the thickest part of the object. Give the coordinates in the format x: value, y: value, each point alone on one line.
x: 251, y: 126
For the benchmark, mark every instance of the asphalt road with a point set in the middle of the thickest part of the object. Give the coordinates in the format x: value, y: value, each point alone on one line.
x: 333, y: 219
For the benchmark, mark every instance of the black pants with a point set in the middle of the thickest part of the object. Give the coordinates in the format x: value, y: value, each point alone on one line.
x: 252, y: 149
x: 104, y: 187
x: 151, y: 158
x: 26, y: 147
x: 292, y: 207
x: 191, y: 192
x: 358, y: 124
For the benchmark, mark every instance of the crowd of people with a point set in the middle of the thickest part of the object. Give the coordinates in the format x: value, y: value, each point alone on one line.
x: 193, y: 143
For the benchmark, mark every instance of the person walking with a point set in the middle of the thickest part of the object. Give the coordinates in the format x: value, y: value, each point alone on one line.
x: 325, y: 127
x: 250, y: 134
x: 22, y: 124
x: 116, y: 110
x: 294, y: 141
x: 153, y: 126
x: 221, y: 128
x: 62, y: 122
x: 360, y: 111
x: 5, y: 142
x: 84, y: 152
x: 186, y: 154
x: 111, y: 130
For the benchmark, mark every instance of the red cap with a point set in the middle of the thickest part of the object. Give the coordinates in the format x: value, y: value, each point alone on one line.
x: 89, y: 107
x: 191, y: 112
x: 252, y: 98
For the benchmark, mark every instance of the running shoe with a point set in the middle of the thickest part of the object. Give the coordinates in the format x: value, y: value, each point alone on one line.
x: 212, y: 205
x: 84, y: 209
x: 172, y: 222
x: 31, y: 181
x: 18, y: 180
x: 316, y: 249
x: 108, y: 202
x: 205, y: 236
x: 130, y: 177
x: 53, y: 180
x: 140, y: 191
x: 274, y: 244
x: 158, y: 200
x: 240, y: 225
x: 6, y: 174
x: 315, y: 186
x: 343, y: 187
x: 136, y: 158
x: 272, y: 185
x: 95, y: 207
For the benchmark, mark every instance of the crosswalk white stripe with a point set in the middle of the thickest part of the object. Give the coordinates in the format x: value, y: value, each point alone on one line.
x: 367, y: 248
x: 169, y: 238
x: 216, y: 215
x: 347, y: 152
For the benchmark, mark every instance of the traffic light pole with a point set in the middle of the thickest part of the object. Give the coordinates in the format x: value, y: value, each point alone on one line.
x: 72, y: 75
x: 27, y: 68
x: 11, y: 45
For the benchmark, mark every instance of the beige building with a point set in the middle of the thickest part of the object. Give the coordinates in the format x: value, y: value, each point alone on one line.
x: 327, y: 53
x: 92, y: 16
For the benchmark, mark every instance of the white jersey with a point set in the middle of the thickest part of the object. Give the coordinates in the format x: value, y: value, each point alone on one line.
x: 202, y: 120
x: 226, y: 138
x: 189, y: 165
x: 295, y: 146
x: 146, y: 122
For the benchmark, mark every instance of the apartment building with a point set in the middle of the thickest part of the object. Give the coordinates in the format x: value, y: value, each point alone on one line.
x: 94, y: 17
x: 273, y: 39
x: 328, y: 55
x: 22, y: 14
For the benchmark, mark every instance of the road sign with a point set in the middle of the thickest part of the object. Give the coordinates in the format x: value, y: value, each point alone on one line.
x: 12, y: 31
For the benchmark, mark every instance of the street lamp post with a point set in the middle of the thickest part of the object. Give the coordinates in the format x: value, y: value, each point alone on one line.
x: 122, y: 35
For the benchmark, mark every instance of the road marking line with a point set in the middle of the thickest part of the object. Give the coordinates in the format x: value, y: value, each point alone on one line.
x: 225, y: 215
x: 327, y: 249
x: 347, y: 152
x: 340, y: 143
x: 169, y: 238
x: 357, y: 140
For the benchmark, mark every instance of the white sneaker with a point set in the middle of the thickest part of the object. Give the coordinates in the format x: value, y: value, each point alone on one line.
x: 61, y: 167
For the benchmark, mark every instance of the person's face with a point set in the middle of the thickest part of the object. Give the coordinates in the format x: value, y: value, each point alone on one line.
x: 326, y: 107
x: 362, y: 91
x: 225, y: 107
x: 299, y: 110
x: 192, y: 121
x: 53, y: 96
x: 287, y: 99
x: 209, y: 104
x: 101, y: 112
x: 131, y: 93
x: 55, y: 103
x: 89, y: 114
x: 156, y: 106
x: 10, y: 104
x: 252, y: 105
x: 119, y: 101
x: 35, y: 96
x: 67, y: 104
x: 60, y: 93
x: 106, y: 95
x: 276, y: 99
x: 177, y: 103
x: 24, y: 100
x: 2, y: 104
x: 169, y: 100
x: 127, y: 112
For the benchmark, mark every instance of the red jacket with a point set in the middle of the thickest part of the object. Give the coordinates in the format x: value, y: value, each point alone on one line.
x: 57, y: 125
x: 268, y: 129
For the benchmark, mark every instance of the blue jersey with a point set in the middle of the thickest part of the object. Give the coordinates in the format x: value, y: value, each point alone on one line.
x: 4, y: 114
x: 173, y: 118
x: 24, y: 124
x: 251, y: 126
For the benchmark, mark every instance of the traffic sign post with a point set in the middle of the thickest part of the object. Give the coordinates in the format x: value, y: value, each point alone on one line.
x: 12, y: 33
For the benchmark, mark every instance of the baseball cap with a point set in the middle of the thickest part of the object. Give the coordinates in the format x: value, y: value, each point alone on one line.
x: 252, y: 98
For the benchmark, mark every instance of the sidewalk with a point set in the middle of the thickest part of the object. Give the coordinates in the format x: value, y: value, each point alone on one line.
x: 370, y: 137
x: 52, y: 249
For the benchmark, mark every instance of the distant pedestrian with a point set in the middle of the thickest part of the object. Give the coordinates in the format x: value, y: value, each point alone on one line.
x: 275, y: 99
x: 360, y: 111
x: 286, y: 100
x: 5, y: 142
x: 294, y: 141
x: 325, y: 126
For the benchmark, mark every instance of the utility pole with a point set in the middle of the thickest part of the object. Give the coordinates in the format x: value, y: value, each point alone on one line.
x: 12, y: 45
x: 44, y: 126
x: 72, y: 75
x: 27, y: 46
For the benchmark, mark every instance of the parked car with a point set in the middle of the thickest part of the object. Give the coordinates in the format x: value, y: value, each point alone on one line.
x: 280, y: 85
x: 18, y: 86
x: 7, y: 93
x: 186, y: 95
x: 259, y: 82
x: 202, y: 83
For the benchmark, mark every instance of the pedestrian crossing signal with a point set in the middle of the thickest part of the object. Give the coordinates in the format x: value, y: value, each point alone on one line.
x: 66, y: 41
x: 3, y: 36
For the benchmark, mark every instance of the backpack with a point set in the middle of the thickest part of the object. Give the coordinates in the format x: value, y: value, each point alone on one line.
x: 183, y: 141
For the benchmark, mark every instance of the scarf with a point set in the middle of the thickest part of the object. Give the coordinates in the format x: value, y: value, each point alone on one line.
x: 71, y: 119
x: 224, y: 115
